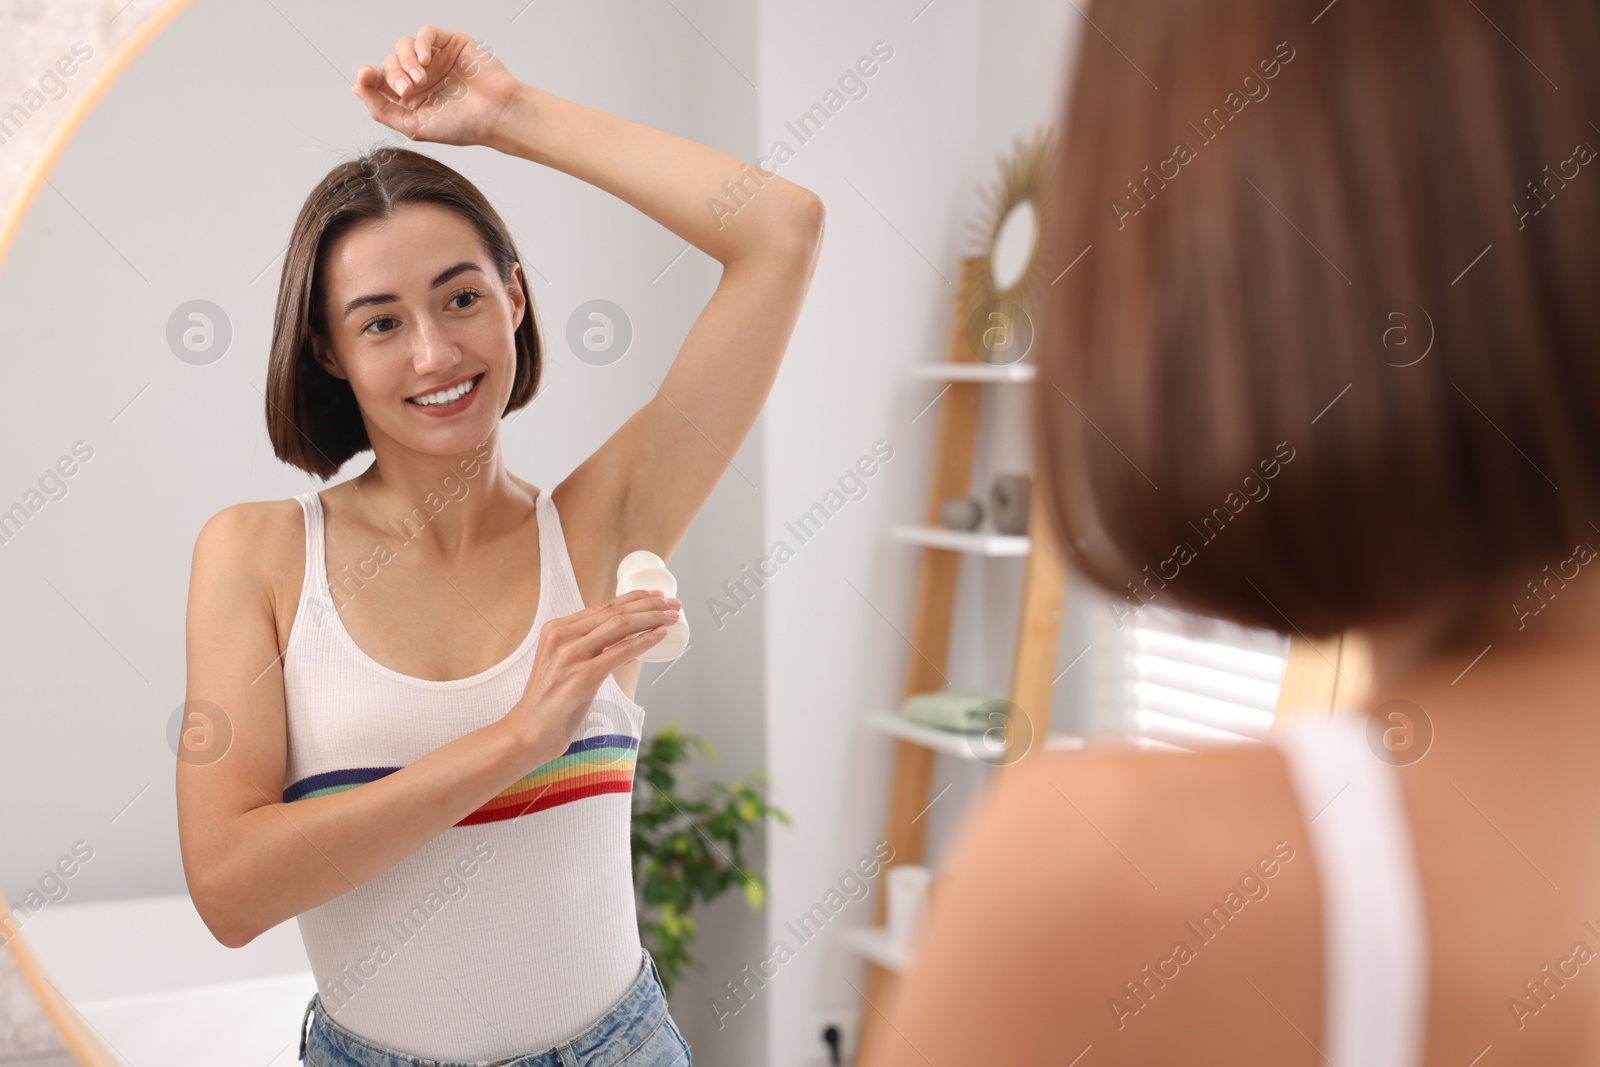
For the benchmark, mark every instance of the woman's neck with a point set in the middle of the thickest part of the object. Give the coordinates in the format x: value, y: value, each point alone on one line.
x: 457, y: 509
x: 1541, y: 638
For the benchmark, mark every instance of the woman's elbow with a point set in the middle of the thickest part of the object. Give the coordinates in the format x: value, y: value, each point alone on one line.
x: 797, y: 228
x: 227, y: 929
x: 809, y: 220
x: 219, y: 912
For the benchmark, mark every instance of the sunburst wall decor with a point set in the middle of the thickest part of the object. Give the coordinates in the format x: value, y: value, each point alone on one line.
x: 998, y: 300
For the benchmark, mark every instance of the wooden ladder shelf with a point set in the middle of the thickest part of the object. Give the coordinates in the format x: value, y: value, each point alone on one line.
x: 1037, y: 639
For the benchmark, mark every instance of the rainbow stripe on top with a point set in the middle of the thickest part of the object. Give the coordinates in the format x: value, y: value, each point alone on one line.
x: 589, y: 767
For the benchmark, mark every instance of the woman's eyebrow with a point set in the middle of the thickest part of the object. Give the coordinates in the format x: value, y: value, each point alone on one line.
x: 389, y: 298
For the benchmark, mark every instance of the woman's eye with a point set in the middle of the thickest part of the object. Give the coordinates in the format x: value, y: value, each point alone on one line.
x: 471, y: 296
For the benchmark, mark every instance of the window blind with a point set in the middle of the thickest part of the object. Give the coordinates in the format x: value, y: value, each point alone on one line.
x: 1193, y: 682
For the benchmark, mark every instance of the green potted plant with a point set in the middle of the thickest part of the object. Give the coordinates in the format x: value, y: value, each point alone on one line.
x: 688, y: 848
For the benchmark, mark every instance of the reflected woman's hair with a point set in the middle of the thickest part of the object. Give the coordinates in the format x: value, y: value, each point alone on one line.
x: 1333, y: 250
x: 313, y: 420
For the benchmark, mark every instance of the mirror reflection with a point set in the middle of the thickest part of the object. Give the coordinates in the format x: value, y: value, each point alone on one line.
x: 420, y: 643
x: 1014, y: 243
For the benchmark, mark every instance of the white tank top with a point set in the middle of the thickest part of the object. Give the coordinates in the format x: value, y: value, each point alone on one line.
x: 1375, y: 937
x: 514, y: 929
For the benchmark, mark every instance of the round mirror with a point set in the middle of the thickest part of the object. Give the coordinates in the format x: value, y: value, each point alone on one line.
x: 1001, y: 280
x: 1014, y: 242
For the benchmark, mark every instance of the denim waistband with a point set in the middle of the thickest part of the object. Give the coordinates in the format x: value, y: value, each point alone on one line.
x: 635, y: 1015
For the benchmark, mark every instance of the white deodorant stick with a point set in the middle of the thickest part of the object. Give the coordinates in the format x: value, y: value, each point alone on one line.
x: 646, y: 570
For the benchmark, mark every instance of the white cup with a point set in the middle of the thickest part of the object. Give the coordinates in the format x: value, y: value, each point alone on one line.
x: 908, y: 902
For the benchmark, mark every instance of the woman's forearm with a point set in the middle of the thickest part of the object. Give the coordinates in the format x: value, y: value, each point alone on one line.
x: 723, y: 206
x: 286, y: 858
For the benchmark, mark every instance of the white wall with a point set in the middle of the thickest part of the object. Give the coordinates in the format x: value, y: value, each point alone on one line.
x: 899, y: 171
x: 721, y: 698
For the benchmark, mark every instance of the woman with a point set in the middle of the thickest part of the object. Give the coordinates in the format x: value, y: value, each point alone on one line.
x: 1366, y: 234
x: 434, y: 784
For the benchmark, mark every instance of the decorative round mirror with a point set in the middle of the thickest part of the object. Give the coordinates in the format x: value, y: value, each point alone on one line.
x: 999, y: 294
x: 1014, y: 241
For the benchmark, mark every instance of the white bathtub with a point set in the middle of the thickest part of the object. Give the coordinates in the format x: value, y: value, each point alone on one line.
x: 162, y: 992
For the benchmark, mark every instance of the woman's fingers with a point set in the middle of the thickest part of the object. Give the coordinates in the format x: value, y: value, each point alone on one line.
x: 632, y: 622
x: 631, y: 601
x: 372, y: 78
x: 397, y: 79
x: 593, y: 629
x: 406, y: 55
x: 606, y: 628
x: 405, y: 70
x: 603, y: 637
x: 623, y: 629
x: 619, y: 652
x: 369, y: 87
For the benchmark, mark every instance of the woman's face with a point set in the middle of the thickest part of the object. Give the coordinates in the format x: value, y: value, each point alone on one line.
x: 415, y: 307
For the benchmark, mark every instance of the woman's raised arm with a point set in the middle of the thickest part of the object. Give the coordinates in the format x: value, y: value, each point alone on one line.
x: 656, y: 471
x: 664, y: 461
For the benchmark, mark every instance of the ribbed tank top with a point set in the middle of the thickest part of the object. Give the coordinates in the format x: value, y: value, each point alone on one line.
x: 512, y: 930
x: 1374, y: 917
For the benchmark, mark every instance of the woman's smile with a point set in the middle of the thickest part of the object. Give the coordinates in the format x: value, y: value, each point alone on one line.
x: 450, y: 400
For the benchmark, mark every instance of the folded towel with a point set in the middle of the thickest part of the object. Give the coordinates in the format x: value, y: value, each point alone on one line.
x: 962, y: 710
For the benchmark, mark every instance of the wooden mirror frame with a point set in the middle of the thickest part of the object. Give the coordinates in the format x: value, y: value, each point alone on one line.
x: 77, y: 1035
x: 1024, y: 176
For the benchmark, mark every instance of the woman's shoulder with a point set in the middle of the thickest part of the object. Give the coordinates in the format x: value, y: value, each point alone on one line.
x: 269, y: 530
x: 1158, y: 819
x: 255, y: 544
x: 252, y: 524
x: 1129, y: 898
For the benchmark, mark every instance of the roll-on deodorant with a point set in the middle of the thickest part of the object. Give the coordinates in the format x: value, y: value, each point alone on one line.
x: 646, y: 570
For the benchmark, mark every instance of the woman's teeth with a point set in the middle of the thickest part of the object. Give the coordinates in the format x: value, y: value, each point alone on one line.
x: 444, y: 396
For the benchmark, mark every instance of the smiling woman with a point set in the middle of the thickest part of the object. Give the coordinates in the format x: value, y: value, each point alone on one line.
x: 343, y: 241
x: 432, y: 703
x: 485, y: 662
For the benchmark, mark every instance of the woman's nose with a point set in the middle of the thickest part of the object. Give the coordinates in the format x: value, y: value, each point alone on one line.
x: 435, y: 351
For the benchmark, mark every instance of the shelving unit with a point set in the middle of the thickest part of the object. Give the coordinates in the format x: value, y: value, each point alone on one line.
x: 983, y: 544
x: 1044, y: 588
x: 873, y: 943
x: 961, y: 746
x: 977, y: 372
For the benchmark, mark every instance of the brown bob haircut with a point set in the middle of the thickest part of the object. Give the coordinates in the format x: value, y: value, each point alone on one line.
x: 1332, y: 355
x: 313, y: 420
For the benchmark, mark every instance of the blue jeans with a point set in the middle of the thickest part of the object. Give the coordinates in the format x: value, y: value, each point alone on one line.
x: 637, y: 1031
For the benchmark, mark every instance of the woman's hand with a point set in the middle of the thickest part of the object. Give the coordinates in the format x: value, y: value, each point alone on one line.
x: 439, y: 86
x: 575, y: 654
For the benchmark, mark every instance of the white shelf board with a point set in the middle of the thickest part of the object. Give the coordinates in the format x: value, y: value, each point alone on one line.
x: 873, y: 943
x: 977, y: 372
x: 950, y: 742
x: 978, y: 542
